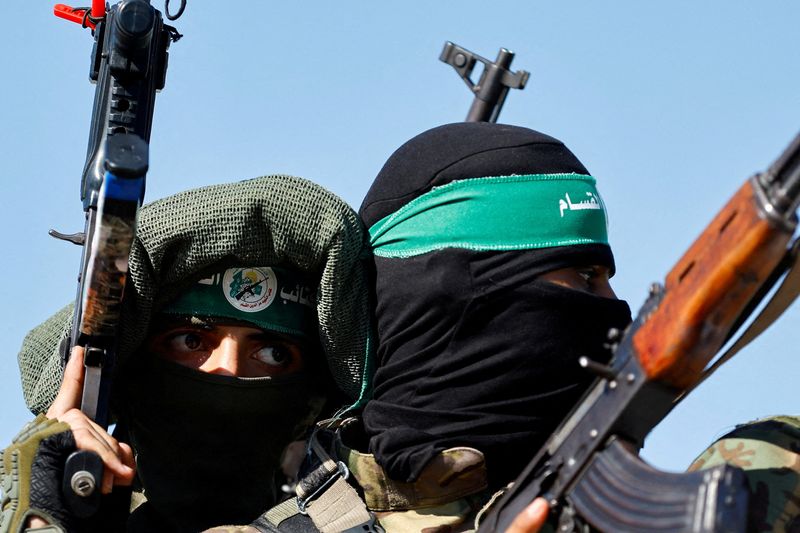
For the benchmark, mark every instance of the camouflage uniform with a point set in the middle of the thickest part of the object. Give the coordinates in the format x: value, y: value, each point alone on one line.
x: 446, y: 497
x: 450, y: 495
x: 768, y: 450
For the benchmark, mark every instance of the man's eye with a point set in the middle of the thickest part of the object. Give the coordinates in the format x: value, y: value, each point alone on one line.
x: 588, y: 274
x: 186, y: 342
x: 274, y: 355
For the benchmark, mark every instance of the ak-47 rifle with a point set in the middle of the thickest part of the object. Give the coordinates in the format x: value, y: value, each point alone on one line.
x: 495, y: 81
x: 129, y: 64
x: 586, y: 471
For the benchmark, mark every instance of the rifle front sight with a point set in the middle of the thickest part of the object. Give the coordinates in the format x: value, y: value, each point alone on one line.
x: 492, y: 88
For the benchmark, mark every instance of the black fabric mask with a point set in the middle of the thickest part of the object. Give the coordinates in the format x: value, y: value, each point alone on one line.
x: 475, y: 351
x: 208, y: 447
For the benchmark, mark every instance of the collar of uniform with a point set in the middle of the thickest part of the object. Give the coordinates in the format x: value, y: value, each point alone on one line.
x: 452, y: 474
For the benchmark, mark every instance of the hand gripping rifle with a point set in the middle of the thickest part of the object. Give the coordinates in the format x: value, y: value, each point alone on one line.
x: 586, y: 470
x: 492, y: 88
x: 129, y: 64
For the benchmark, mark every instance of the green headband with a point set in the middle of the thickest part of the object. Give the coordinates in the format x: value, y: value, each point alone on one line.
x: 274, y: 299
x: 496, y: 213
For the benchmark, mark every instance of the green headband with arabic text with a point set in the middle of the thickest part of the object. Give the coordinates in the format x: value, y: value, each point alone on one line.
x: 520, y: 212
x: 271, y: 298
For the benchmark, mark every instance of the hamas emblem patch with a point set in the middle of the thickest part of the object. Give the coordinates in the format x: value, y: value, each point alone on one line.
x: 249, y: 289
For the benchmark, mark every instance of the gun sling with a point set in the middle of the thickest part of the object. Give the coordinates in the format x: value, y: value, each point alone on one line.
x: 772, y: 311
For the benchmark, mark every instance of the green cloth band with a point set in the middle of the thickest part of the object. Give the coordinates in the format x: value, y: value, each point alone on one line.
x: 274, y: 299
x: 496, y: 213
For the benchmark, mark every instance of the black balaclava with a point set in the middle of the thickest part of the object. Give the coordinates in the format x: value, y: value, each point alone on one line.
x: 209, y: 446
x: 473, y: 349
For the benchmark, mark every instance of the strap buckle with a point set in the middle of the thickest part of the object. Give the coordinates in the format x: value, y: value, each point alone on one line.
x: 341, y: 471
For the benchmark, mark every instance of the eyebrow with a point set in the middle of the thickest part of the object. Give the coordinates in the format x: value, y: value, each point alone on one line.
x: 271, y: 335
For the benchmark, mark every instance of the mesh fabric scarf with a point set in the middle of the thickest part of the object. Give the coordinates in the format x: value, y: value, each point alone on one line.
x: 273, y: 220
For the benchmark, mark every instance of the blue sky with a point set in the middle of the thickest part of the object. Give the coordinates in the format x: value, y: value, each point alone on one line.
x: 671, y: 105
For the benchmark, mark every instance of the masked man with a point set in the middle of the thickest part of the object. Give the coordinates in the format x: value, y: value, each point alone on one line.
x: 492, y: 266
x: 247, y: 312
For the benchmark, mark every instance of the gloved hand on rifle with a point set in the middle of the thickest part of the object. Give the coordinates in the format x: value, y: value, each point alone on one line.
x: 32, y: 468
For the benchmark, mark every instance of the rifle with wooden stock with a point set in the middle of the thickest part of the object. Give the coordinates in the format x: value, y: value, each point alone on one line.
x: 588, y: 470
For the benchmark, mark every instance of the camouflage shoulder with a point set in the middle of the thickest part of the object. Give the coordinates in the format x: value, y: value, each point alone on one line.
x: 232, y: 529
x: 453, y: 517
x: 768, y: 450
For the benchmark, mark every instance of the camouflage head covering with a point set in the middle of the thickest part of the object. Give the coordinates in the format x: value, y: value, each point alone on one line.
x: 768, y: 450
x: 273, y: 220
